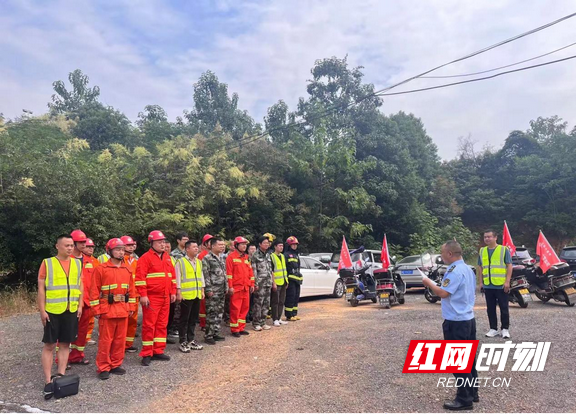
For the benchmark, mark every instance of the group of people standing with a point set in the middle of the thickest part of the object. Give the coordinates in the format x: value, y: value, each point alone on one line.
x: 202, y: 280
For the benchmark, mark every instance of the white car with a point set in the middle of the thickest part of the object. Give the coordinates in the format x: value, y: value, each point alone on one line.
x: 319, y: 279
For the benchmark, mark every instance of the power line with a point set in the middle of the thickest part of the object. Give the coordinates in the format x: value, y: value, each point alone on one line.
x: 478, y: 79
x: 498, y: 68
x: 253, y: 138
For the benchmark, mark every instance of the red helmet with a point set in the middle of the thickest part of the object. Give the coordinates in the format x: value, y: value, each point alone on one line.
x: 113, y: 243
x: 206, y: 238
x: 78, y: 236
x: 127, y: 240
x: 239, y: 240
x: 90, y: 243
x: 156, y: 235
x: 292, y: 240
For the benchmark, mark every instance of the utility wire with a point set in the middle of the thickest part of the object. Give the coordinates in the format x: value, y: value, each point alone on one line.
x: 501, y: 67
x: 253, y: 138
x: 478, y: 79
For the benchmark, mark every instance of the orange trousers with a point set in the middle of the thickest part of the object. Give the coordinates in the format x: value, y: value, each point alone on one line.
x: 77, y: 347
x: 132, y: 325
x: 202, y: 315
x: 90, y: 329
x: 154, y: 322
x: 239, y: 305
x: 112, y: 334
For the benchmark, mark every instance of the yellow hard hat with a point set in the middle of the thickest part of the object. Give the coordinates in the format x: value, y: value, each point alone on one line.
x: 270, y: 236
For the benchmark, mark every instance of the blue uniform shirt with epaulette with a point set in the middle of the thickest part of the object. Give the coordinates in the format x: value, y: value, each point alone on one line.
x: 460, y: 281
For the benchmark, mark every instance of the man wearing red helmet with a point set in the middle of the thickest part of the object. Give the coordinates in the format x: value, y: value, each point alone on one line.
x: 240, y: 285
x: 206, y: 247
x: 77, y: 347
x: 130, y: 259
x: 89, y: 256
x: 110, y: 294
x: 294, y: 279
x: 156, y: 285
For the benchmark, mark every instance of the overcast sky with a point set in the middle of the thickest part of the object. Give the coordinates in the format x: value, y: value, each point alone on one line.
x: 151, y: 52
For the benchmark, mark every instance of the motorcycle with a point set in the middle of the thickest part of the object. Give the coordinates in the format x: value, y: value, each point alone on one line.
x: 360, y: 285
x: 390, y: 288
x: 519, y: 286
x: 436, y: 277
x: 557, y: 283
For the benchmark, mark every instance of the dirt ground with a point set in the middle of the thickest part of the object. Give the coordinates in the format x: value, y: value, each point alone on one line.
x: 336, y: 359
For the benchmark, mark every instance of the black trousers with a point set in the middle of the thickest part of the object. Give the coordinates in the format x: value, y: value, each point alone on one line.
x: 493, y: 297
x: 189, y: 315
x: 292, y: 298
x: 463, y: 331
x: 277, y: 300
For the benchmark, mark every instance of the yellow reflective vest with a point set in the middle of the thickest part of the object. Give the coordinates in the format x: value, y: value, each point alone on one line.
x: 493, y: 268
x: 190, y: 280
x: 62, y: 291
x: 280, y: 272
x: 103, y: 258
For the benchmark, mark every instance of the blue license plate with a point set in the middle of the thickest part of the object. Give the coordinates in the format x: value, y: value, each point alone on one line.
x: 406, y: 272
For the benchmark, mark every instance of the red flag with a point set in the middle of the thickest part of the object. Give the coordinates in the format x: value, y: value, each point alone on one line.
x: 548, y: 256
x: 345, y: 261
x: 507, y: 239
x: 385, y: 255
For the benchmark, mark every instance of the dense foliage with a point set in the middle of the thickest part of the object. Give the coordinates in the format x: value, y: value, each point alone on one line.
x: 322, y: 170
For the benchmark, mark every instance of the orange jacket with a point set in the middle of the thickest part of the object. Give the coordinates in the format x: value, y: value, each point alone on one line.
x: 239, y: 271
x: 203, y: 254
x: 89, y: 265
x: 155, y: 275
x: 131, y: 262
x: 116, y: 280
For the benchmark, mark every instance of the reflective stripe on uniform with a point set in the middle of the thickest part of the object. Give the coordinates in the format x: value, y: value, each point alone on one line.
x: 160, y: 274
x: 159, y: 339
x: 147, y: 343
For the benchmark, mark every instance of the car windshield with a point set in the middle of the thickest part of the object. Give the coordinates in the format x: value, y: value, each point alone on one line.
x: 522, y: 254
x: 425, y: 258
x: 569, y: 253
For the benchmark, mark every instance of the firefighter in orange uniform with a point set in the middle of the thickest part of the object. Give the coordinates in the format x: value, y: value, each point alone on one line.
x: 110, y: 294
x: 241, y: 285
x: 156, y: 285
x: 89, y: 256
x: 77, y: 347
x: 131, y: 260
x: 206, y: 246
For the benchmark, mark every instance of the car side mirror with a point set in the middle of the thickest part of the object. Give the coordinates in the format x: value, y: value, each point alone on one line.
x: 393, y: 257
x: 439, y: 260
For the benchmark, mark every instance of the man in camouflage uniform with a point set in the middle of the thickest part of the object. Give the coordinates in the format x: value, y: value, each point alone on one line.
x: 264, y: 279
x: 214, y: 270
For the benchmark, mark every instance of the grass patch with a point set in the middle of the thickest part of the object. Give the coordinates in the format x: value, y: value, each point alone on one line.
x: 17, y: 300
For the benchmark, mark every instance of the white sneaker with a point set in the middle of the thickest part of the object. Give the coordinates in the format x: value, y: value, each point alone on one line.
x: 266, y: 327
x: 492, y: 333
x: 283, y: 322
x: 505, y: 333
x: 276, y: 323
x: 258, y: 328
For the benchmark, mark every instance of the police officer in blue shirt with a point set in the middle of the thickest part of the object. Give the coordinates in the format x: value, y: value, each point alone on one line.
x: 458, y: 292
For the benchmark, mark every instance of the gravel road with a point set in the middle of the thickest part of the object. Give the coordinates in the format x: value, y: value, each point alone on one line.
x: 336, y: 359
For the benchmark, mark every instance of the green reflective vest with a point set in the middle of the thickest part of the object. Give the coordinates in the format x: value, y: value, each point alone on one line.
x: 280, y: 272
x: 190, y: 281
x: 493, y: 268
x: 62, y: 291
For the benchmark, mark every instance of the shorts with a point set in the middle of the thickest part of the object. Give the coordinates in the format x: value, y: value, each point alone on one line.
x: 62, y: 327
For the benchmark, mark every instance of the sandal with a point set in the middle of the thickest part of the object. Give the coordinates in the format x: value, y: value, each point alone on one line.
x: 81, y: 362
